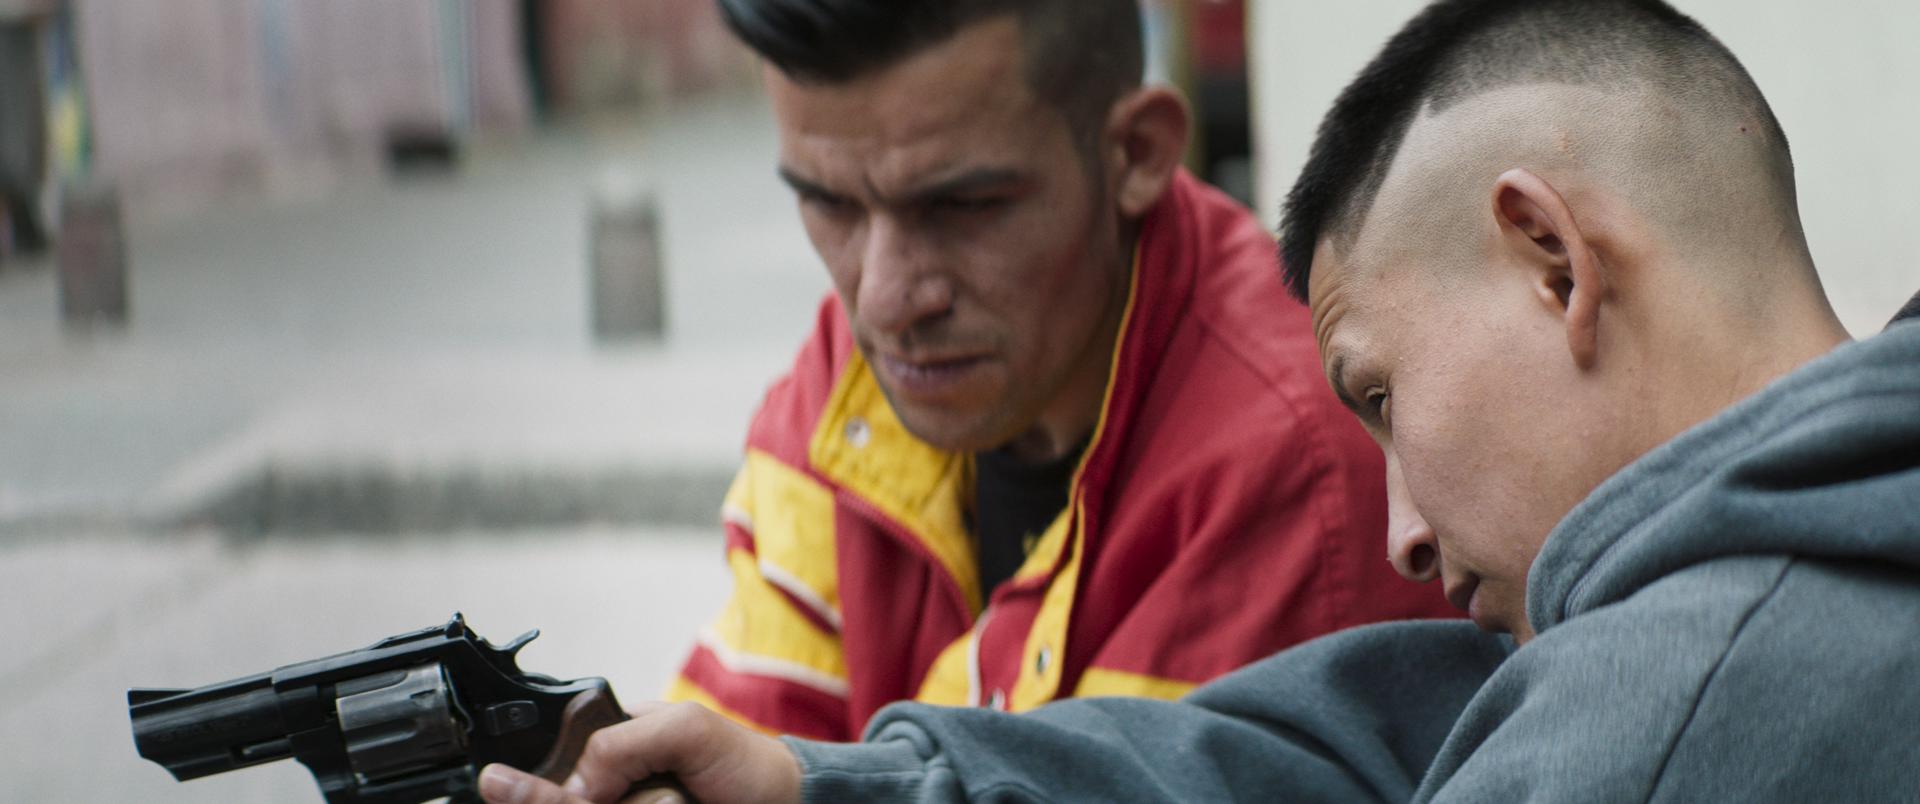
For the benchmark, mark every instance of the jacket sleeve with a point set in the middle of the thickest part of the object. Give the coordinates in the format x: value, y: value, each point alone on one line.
x: 772, y: 659
x: 1354, y: 717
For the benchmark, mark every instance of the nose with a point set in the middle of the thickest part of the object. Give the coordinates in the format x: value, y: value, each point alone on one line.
x: 900, y: 286
x: 1411, y: 546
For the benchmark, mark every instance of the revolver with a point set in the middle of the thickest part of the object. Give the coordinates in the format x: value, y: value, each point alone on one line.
x: 412, y: 718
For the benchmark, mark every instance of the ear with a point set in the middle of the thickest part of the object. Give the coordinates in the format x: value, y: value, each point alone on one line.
x: 1538, y: 227
x: 1143, y: 144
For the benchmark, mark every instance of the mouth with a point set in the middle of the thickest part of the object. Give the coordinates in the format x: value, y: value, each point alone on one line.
x: 1463, y: 595
x: 928, y: 376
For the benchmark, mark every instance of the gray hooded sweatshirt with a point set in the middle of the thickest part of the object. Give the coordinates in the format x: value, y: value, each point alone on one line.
x: 1734, y: 617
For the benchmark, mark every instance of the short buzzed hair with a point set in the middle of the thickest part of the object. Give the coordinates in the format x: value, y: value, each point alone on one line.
x: 1457, y: 49
x: 1081, y: 55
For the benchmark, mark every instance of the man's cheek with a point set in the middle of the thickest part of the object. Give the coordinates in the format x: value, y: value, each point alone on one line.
x: 1434, y: 462
x: 846, y: 285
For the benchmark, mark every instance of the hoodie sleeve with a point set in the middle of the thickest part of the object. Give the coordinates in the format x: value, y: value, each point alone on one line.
x: 1356, y: 716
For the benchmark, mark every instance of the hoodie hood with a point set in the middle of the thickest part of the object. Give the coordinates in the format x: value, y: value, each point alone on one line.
x: 1824, y: 464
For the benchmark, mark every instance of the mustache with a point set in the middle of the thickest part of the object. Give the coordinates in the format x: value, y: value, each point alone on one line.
x: 935, y: 340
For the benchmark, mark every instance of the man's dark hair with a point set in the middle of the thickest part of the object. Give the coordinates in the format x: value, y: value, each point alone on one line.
x: 1456, y: 49
x: 1082, y: 55
x: 1909, y: 313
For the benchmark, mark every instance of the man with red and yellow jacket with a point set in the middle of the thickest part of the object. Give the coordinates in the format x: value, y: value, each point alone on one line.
x: 1060, y: 431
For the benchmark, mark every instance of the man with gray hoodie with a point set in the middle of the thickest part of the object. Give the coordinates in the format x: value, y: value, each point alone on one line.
x: 1556, y: 266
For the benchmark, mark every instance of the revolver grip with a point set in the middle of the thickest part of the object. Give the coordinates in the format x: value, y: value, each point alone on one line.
x: 587, y: 713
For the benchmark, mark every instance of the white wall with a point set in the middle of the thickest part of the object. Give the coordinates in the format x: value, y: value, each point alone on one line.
x: 1844, y: 79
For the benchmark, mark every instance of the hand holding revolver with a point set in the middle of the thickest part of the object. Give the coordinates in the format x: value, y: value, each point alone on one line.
x: 416, y: 716
x: 714, y: 760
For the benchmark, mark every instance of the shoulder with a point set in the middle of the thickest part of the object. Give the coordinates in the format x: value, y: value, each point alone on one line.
x: 1662, y: 643
x: 1245, y: 347
x: 1237, y: 416
x: 1716, y: 681
x: 1822, y: 666
x: 1590, y: 708
x: 1239, y: 390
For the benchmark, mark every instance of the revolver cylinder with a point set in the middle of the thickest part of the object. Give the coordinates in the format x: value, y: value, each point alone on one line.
x: 399, y: 721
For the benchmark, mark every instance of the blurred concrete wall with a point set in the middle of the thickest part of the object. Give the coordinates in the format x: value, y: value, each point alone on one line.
x: 196, y: 99
x: 1844, y: 79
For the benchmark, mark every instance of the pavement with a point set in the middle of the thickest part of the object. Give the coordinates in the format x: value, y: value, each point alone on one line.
x: 104, y: 614
x: 336, y: 418
x: 362, y: 347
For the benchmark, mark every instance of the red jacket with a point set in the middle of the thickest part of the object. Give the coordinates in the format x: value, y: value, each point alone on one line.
x: 1226, y: 507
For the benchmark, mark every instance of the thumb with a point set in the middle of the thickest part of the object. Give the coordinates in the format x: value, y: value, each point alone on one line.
x: 500, y: 784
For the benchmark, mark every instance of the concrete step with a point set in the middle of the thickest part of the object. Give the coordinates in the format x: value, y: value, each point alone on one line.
x: 376, y: 498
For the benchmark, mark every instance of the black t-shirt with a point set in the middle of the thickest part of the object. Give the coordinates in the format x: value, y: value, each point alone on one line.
x: 1013, y: 503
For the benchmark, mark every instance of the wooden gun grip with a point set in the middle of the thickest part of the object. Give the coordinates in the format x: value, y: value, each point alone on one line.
x: 587, y: 713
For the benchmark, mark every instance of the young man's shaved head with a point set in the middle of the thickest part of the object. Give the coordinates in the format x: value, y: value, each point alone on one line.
x: 1633, y: 91
x: 1540, y: 238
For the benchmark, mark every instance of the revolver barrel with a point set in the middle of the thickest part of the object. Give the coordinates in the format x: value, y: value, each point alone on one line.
x: 213, y: 729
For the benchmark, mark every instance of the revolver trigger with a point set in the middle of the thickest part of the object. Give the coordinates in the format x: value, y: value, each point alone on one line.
x: 512, y: 649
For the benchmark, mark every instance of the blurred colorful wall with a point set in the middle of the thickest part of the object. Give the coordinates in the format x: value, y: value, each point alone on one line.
x: 184, y: 103
x: 594, y: 54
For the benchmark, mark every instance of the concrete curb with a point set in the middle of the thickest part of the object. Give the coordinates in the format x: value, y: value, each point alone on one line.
x: 390, y: 499
x: 372, y: 498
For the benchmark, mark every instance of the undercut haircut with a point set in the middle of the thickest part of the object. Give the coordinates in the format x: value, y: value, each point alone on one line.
x: 1457, y: 49
x: 1081, y: 55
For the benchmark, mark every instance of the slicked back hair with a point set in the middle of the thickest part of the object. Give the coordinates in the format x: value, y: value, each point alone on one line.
x: 1081, y: 55
x: 1456, y: 49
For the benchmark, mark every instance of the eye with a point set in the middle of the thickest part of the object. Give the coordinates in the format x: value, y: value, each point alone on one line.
x: 1375, y: 400
x: 823, y: 202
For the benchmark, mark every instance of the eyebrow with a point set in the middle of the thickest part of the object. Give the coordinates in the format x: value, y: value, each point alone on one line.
x: 970, y: 181
x: 803, y: 185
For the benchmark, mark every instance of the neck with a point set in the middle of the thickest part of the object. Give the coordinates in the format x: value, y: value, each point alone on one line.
x: 1075, y: 410
x: 1734, y: 354
x: 1037, y: 447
